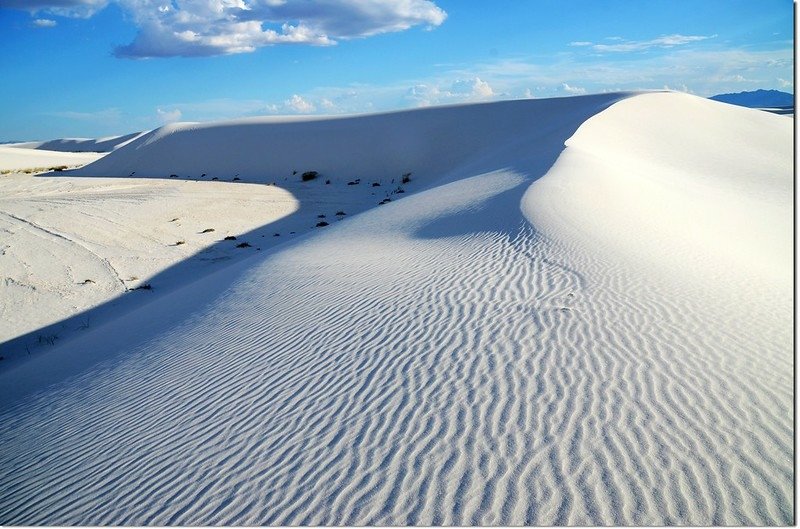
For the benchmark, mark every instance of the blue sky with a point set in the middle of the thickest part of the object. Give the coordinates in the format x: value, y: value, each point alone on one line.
x: 88, y: 68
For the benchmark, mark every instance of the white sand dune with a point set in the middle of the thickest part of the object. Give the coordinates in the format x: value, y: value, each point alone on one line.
x: 73, y: 243
x: 537, y: 335
x: 106, y: 144
x: 21, y: 159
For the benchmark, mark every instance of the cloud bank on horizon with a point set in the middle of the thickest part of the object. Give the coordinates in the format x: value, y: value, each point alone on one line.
x: 187, y: 28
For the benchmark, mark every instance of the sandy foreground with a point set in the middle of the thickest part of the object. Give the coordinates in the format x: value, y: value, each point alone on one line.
x: 579, y: 311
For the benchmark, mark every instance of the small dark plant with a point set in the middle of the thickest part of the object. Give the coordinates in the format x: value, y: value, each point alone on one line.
x: 340, y: 213
x: 207, y: 230
x: 243, y: 245
x: 406, y: 178
x: 309, y: 175
x: 321, y: 224
x: 229, y: 238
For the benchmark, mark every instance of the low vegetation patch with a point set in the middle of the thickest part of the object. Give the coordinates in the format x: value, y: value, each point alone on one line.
x: 309, y: 175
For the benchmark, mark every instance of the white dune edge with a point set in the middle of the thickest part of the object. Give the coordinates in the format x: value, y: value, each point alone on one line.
x: 18, y: 159
x: 441, y: 360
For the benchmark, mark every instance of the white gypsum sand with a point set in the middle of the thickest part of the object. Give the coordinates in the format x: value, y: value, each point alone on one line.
x: 74, y: 243
x: 533, y: 337
x: 17, y: 159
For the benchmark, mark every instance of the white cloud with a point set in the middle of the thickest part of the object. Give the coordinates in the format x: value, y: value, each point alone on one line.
x: 458, y: 91
x: 66, y: 8
x: 574, y: 90
x: 473, y: 88
x: 169, y: 28
x: 299, y: 105
x: 680, y: 88
x: 44, y: 23
x: 622, y: 45
x: 783, y: 83
x: 168, y: 116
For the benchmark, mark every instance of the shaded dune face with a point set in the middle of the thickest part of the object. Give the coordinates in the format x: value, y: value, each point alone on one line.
x: 470, y: 354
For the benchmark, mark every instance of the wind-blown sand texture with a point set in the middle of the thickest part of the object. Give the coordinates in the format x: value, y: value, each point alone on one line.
x: 593, y: 334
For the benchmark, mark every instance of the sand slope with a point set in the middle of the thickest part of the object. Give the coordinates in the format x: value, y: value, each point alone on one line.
x: 475, y: 353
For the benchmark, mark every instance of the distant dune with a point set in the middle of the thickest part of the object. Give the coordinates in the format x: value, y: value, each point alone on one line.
x: 578, y: 312
x: 106, y: 144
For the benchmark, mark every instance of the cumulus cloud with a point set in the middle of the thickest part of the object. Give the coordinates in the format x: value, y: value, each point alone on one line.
x: 169, y: 28
x: 168, y: 116
x: 621, y: 45
x: 783, y: 83
x: 461, y: 90
x: 299, y: 105
x: 574, y: 90
x: 44, y: 23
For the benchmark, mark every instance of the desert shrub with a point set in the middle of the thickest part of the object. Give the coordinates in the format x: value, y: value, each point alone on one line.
x: 146, y: 286
x: 207, y: 230
x: 236, y: 178
x: 320, y: 216
x: 229, y: 238
x: 179, y: 243
x: 340, y: 213
x: 49, y: 339
x: 376, y: 184
x: 321, y: 224
x: 406, y: 178
x: 327, y: 182
x: 215, y: 178
x: 243, y: 245
x: 309, y: 175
